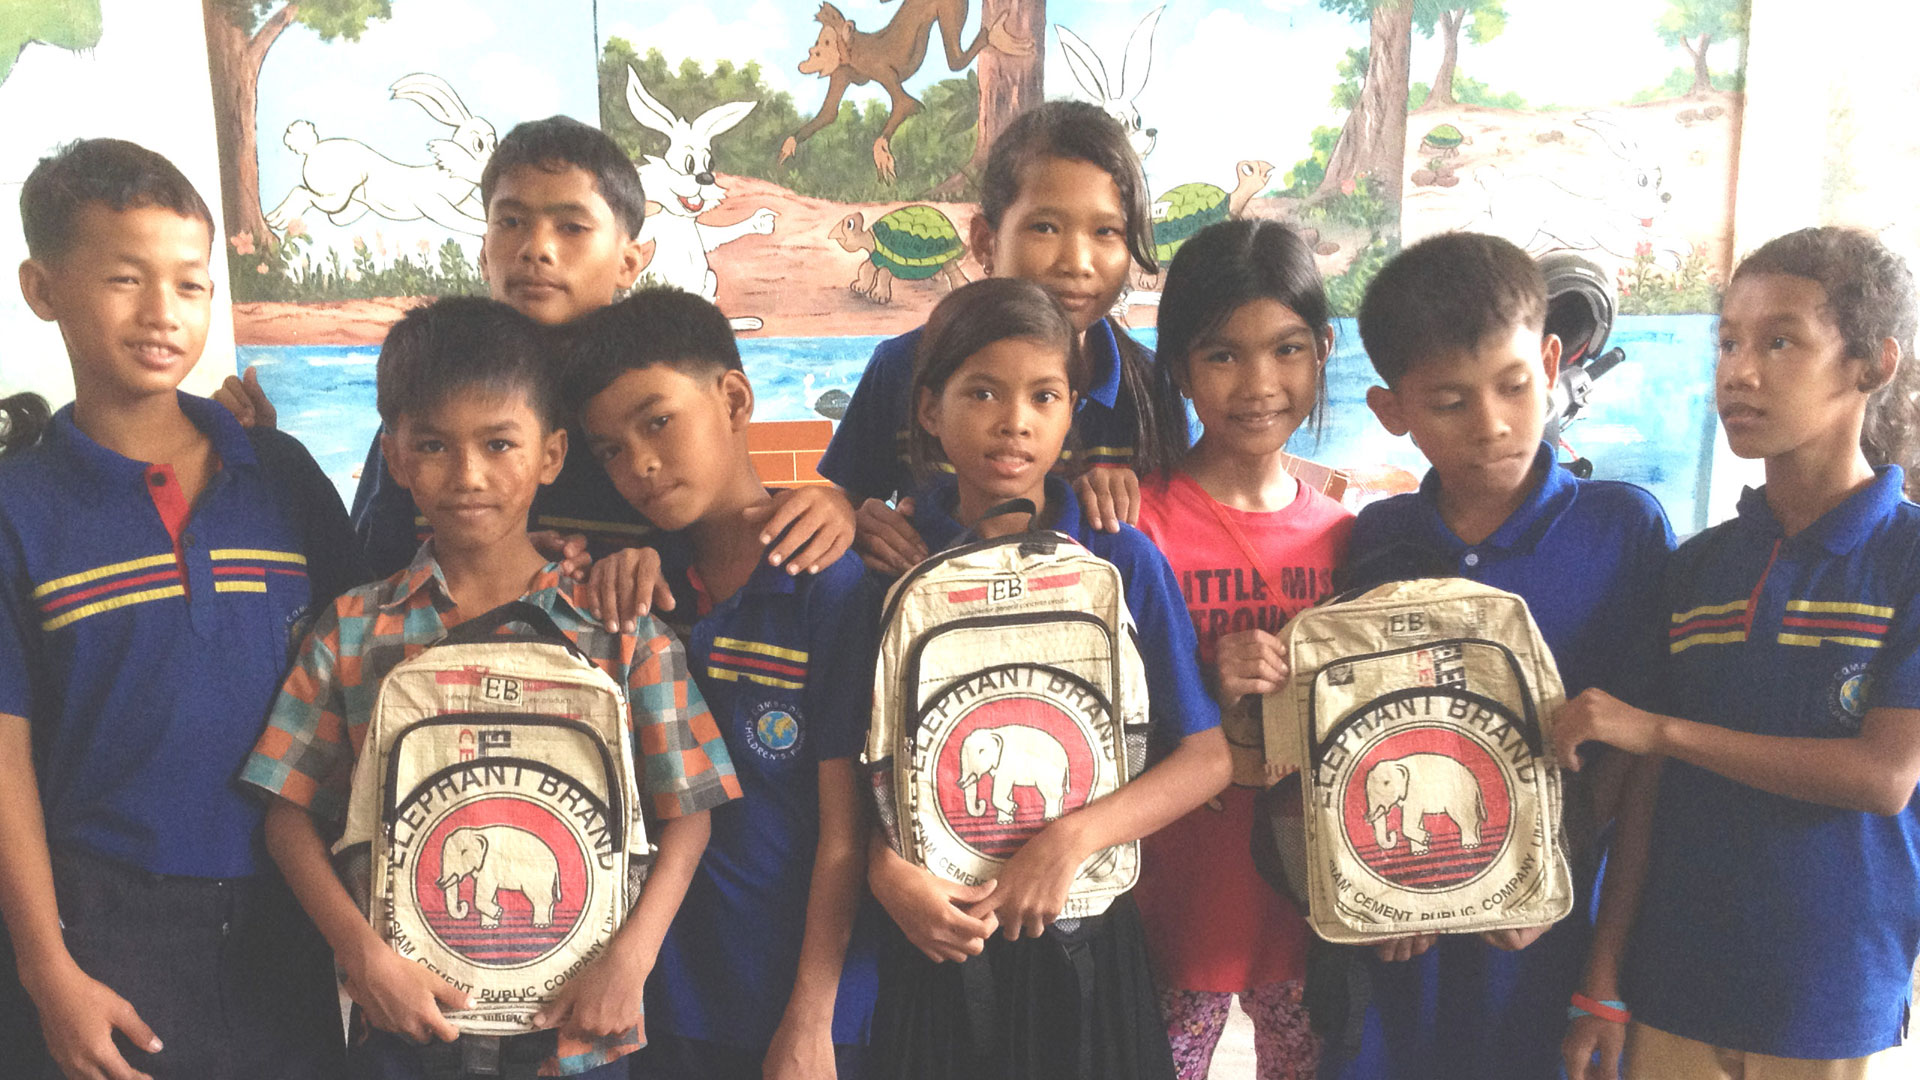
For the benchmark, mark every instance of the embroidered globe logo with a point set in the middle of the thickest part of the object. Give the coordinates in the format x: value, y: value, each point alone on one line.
x: 1851, y: 693
x: 777, y: 730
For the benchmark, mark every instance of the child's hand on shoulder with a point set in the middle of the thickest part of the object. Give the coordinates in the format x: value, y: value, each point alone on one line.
x: 399, y: 995
x: 929, y: 909
x: 1032, y: 887
x: 567, y: 549
x: 1597, y: 716
x: 1109, y: 495
x: 606, y: 998
x: 886, y: 539
x: 809, y: 527
x: 246, y: 401
x: 78, y: 1016
x: 625, y: 587
x: 1250, y: 662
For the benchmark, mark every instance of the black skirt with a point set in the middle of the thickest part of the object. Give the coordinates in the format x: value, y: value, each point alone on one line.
x: 1070, y: 1004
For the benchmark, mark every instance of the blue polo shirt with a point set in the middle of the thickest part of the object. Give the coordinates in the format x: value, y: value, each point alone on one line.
x: 1768, y: 924
x: 786, y: 665
x: 1587, y: 556
x: 582, y: 499
x: 868, y: 454
x: 1178, y: 704
x: 144, y: 640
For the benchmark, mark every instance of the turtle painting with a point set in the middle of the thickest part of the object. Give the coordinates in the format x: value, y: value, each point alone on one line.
x: 1187, y: 209
x: 912, y: 243
x: 1443, y: 142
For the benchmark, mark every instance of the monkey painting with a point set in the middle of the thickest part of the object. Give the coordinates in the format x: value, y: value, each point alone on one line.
x: 890, y: 57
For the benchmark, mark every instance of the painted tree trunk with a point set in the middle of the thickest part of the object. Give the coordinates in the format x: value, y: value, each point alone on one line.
x: 234, y: 57
x: 1702, y: 78
x: 1442, y: 92
x: 1373, y: 142
x: 1009, y: 85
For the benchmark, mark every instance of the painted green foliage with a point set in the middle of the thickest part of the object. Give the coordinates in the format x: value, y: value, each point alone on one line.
x: 837, y: 163
x: 69, y: 24
x: 1695, y: 25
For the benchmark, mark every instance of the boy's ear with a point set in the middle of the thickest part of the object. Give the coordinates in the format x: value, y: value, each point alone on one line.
x: 1881, y: 369
x: 927, y: 410
x: 397, y: 462
x: 1550, y: 359
x: 553, y: 455
x: 737, y: 390
x: 630, y: 264
x: 980, y: 239
x: 1386, y: 407
x: 36, y: 285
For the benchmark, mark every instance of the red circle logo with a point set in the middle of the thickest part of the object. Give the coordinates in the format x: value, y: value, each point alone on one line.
x: 1007, y: 767
x: 1427, y: 808
x: 501, y: 881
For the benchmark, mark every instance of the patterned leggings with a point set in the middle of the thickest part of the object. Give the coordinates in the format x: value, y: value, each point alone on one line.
x: 1283, y: 1043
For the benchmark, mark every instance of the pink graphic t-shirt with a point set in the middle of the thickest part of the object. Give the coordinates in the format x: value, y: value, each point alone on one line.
x: 1233, y: 932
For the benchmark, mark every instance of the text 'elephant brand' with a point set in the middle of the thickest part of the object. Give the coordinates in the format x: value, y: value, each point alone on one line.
x: 1426, y: 806
x: 497, y: 857
x: 1012, y: 749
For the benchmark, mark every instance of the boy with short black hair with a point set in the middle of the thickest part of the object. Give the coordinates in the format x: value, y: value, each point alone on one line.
x: 156, y: 563
x: 1455, y: 327
x: 564, y: 209
x: 472, y: 430
x: 769, y: 968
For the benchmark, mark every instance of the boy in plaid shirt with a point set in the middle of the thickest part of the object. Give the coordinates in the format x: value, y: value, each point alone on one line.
x: 470, y: 416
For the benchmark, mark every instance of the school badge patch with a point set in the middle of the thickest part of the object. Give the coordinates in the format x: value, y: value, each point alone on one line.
x: 1432, y: 805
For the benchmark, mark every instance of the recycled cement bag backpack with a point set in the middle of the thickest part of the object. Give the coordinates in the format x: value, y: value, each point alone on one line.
x: 496, y: 798
x: 1009, y: 691
x: 1418, y: 717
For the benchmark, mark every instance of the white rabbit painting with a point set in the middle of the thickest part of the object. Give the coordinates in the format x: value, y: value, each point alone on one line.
x: 1615, y: 210
x: 680, y: 182
x: 345, y: 178
x: 1119, y: 99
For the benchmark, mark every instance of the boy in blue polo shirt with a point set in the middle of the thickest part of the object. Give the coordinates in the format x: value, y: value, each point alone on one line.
x: 564, y: 209
x: 157, y: 563
x: 1454, y: 327
x: 769, y: 967
x: 1780, y: 912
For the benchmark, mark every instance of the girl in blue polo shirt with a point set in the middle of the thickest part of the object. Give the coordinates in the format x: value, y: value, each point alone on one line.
x: 1063, y: 204
x: 1777, y: 874
x: 995, y: 384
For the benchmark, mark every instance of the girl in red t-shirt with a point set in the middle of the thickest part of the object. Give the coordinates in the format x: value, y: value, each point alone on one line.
x: 1244, y: 335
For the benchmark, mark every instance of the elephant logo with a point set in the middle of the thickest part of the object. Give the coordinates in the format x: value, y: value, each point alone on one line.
x: 499, y: 857
x: 1426, y: 808
x: 1014, y: 755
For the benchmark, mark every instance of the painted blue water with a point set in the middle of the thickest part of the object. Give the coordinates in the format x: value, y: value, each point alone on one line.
x: 1650, y: 420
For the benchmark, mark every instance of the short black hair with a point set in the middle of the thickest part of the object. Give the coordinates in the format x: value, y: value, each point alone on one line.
x: 652, y: 327
x: 561, y: 142
x: 114, y: 172
x: 462, y: 343
x: 1445, y: 293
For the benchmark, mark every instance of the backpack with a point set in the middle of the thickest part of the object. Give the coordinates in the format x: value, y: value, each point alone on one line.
x: 1009, y: 691
x: 494, y: 802
x: 1418, y: 717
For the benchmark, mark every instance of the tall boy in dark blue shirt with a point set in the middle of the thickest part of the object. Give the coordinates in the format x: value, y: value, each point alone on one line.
x: 1454, y: 326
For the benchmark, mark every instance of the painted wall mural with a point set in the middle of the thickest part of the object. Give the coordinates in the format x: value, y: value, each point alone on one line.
x: 813, y: 166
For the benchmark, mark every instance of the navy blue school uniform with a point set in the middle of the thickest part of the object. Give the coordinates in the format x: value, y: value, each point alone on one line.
x: 581, y: 499
x: 1074, y: 1003
x: 1587, y: 556
x: 868, y: 454
x: 143, y: 640
x: 786, y: 666
x: 1767, y: 924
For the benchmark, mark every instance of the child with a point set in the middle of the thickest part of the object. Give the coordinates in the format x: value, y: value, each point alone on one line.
x: 1063, y: 204
x: 564, y: 209
x: 1245, y: 335
x: 471, y: 429
x: 995, y: 382
x: 764, y: 970
x: 156, y: 564
x: 1454, y: 327
x: 1781, y: 907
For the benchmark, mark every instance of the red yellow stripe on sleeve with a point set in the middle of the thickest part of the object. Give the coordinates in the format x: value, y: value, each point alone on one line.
x: 1812, y: 623
x: 246, y: 569
x: 733, y: 659
x: 68, y: 599
x: 1709, y: 624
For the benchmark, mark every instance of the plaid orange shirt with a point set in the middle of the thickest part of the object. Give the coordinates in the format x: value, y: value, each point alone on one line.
x: 319, y: 721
